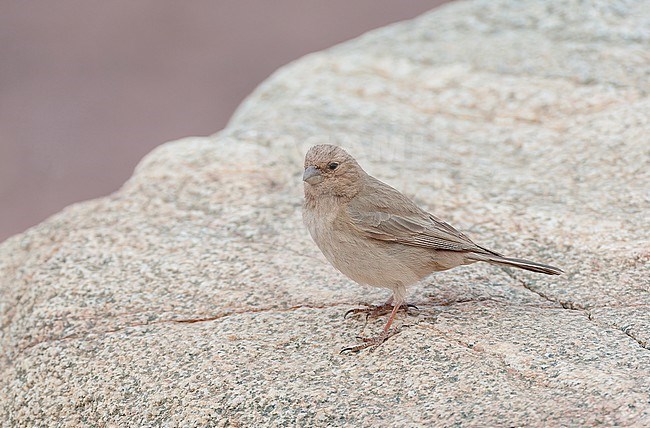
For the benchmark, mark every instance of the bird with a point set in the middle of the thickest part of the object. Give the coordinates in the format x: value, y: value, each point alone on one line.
x: 378, y: 237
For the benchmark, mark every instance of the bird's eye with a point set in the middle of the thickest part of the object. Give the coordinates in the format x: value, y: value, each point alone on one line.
x: 333, y: 165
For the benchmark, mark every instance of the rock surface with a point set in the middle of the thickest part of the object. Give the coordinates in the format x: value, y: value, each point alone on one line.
x: 194, y: 296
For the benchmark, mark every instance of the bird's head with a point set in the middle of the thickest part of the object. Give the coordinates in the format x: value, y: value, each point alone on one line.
x: 331, y: 171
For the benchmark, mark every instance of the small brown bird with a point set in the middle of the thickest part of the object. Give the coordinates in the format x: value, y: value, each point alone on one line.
x: 376, y: 236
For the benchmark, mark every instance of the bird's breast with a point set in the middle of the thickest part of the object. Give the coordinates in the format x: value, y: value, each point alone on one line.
x: 363, y: 260
x: 319, y: 217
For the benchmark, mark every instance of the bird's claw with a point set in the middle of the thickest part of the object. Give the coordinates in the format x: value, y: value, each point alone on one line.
x: 410, y: 306
x: 370, y: 342
x: 375, y: 311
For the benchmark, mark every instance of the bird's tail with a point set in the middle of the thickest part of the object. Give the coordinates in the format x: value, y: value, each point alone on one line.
x: 518, y: 263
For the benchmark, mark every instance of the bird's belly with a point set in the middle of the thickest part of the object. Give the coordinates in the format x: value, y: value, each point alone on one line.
x: 374, y: 263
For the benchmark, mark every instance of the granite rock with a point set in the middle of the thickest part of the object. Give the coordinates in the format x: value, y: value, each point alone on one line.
x: 194, y: 297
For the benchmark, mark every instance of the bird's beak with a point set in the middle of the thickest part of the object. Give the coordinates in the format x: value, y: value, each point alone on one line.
x: 312, y: 175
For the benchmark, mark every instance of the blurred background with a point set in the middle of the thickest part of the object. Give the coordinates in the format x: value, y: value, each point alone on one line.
x: 88, y: 87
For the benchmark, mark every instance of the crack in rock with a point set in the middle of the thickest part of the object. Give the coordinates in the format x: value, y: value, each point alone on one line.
x: 573, y: 306
x: 627, y: 330
x: 564, y: 305
x: 183, y: 321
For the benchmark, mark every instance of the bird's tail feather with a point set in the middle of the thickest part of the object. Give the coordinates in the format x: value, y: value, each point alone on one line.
x: 518, y: 263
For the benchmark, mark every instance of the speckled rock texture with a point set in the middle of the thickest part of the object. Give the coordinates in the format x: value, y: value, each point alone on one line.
x: 195, y: 297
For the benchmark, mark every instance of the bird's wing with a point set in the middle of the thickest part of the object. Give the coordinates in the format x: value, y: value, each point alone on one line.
x: 387, y: 215
x: 394, y: 228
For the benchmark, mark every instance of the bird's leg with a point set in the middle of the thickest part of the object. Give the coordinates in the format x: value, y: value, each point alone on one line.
x: 374, y: 342
x: 375, y: 311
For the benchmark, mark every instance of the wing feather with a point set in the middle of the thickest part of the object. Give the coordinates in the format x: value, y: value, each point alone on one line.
x: 394, y: 228
x: 385, y: 214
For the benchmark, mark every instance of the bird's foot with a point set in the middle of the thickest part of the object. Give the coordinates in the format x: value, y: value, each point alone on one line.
x: 376, y: 311
x: 370, y: 342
